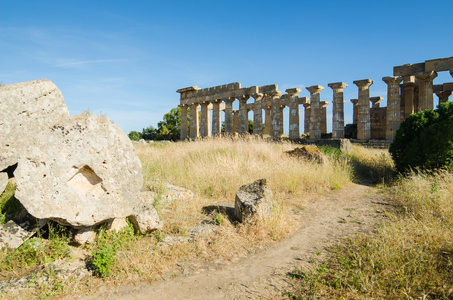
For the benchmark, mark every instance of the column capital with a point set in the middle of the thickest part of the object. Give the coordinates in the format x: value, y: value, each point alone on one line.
x: 451, y: 73
x: 441, y: 94
x: 306, y: 105
x: 183, y: 105
x: 337, y: 85
x: 257, y: 96
x: 230, y: 99
x: 375, y: 101
x: 355, y: 101
x: 426, y: 76
x: 392, y: 79
x: 314, y: 89
x: 275, y: 94
x: 364, y: 83
x: 243, y: 97
x: 303, y: 100
x: 294, y: 91
x: 409, y: 84
x: 324, y: 104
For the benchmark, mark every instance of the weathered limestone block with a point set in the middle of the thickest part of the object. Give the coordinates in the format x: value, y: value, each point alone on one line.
x: 15, y: 232
x: 308, y: 153
x: 116, y: 224
x: 81, y: 172
x: 30, y: 107
x: 253, y: 201
x: 3, y: 182
x: 85, y: 235
x: 145, y: 218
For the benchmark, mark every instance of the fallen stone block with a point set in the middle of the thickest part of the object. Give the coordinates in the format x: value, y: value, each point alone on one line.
x: 308, y: 153
x: 15, y: 232
x: 85, y: 235
x: 116, y: 224
x: 81, y: 172
x: 145, y: 218
x: 253, y: 201
x: 32, y: 107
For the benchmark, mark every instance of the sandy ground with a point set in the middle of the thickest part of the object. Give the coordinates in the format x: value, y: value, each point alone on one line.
x: 326, y: 219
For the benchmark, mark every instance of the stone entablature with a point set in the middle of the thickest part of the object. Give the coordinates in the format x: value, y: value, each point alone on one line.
x: 414, y: 94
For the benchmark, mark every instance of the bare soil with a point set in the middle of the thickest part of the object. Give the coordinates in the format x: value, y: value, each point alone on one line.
x: 324, y: 220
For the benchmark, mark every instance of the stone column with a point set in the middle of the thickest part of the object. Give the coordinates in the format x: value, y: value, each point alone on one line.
x: 205, y: 126
x: 363, y: 109
x: 307, y: 115
x: 194, y: 125
x: 243, y: 115
x: 338, y: 109
x: 355, y: 105
x: 323, y: 113
x: 315, y: 117
x: 294, y: 132
x: 229, y: 116
x: 216, y: 120
x: 426, y: 98
x: 236, y: 121
x: 443, y: 96
x: 183, y: 131
x: 409, y: 89
x: 393, y: 106
x: 258, y: 114
x: 375, y: 101
x: 266, y: 105
x: 281, y: 119
x: 275, y: 115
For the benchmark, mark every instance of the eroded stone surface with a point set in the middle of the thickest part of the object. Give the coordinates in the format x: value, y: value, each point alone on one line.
x: 80, y: 172
x: 15, y: 232
x: 31, y: 107
x: 85, y: 235
x: 145, y: 218
x: 253, y: 201
x: 3, y: 182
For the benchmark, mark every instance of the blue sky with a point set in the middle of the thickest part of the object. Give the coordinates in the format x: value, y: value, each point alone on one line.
x: 126, y: 59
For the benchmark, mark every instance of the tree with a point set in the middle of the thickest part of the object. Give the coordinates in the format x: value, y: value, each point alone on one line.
x: 170, y: 127
x: 149, y: 133
x: 135, y: 135
x: 425, y: 140
x: 167, y: 129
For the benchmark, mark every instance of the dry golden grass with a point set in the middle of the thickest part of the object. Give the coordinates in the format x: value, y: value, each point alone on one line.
x: 213, y: 169
x: 410, y: 257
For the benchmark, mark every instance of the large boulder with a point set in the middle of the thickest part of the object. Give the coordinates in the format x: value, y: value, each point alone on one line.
x: 253, y: 201
x: 79, y: 172
x: 27, y: 109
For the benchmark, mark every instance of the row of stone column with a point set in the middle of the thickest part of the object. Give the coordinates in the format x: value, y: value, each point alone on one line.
x: 315, y: 122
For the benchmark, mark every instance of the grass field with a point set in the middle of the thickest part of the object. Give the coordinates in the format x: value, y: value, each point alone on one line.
x: 214, y: 169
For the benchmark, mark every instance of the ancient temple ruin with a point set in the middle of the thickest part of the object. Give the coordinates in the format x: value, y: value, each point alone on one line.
x: 409, y: 90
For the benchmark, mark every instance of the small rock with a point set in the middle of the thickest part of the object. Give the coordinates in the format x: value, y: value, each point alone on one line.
x: 253, y: 201
x: 116, y: 224
x: 85, y: 235
x: 145, y: 219
x: 204, y: 228
x: 308, y: 153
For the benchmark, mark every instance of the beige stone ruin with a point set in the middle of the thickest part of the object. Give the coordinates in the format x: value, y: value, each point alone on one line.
x: 409, y: 90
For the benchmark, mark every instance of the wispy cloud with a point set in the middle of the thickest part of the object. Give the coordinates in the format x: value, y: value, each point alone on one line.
x: 87, y: 62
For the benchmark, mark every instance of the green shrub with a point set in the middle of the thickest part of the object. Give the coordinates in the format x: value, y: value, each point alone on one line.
x: 135, y: 135
x: 425, y: 140
x: 103, y: 260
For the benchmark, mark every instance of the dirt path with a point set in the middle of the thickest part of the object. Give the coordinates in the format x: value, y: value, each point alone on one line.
x: 326, y: 219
